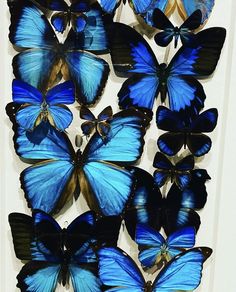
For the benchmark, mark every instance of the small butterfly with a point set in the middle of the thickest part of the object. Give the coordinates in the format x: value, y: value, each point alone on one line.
x: 35, y: 107
x: 58, y: 172
x: 180, y: 173
x: 185, y: 133
x: 54, y: 254
x: 43, y: 60
x: 120, y: 273
x: 99, y: 124
x: 170, y: 32
x: 174, y: 211
x: 155, y: 251
x: 132, y: 57
x: 65, y: 15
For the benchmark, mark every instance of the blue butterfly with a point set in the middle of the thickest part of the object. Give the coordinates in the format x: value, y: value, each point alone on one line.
x: 65, y: 15
x: 55, y: 254
x: 170, y: 32
x: 58, y: 172
x: 174, y: 211
x: 132, y: 57
x: 43, y: 60
x: 180, y: 173
x: 36, y: 107
x: 120, y: 273
x: 155, y: 250
x: 99, y: 124
x: 185, y: 133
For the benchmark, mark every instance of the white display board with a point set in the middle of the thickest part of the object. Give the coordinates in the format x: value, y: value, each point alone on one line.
x: 218, y: 228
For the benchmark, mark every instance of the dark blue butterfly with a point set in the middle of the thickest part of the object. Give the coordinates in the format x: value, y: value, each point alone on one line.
x: 99, y: 124
x: 120, y: 273
x: 36, y: 107
x: 185, y: 133
x: 173, y: 211
x: 180, y: 173
x: 44, y: 60
x: 55, y: 254
x: 64, y: 15
x: 132, y: 56
x: 98, y: 171
x: 170, y: 32
x: 155, y: 250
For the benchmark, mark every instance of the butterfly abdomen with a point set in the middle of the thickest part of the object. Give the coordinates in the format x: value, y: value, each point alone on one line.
x: 148, y: 287
x: 163, y: 76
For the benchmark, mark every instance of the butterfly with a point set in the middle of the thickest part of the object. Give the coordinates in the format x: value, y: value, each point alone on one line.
x: 54, y: 254
x: 43, y: 60
x: 180, y: 173
x: 100, y: 125
x: 185, y: 133
x: 74, y: 14
x: 120, y: 273
x: 133, y: 58
x: 34, y: 107
x: 174, y: 211
x: 58, y: 172
x: 170, y: 32
x: 155, y: 250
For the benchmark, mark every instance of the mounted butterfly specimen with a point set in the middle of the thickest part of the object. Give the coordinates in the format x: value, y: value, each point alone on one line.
x: 43, y: 60
x: 180, y: 173
x: 185, y: 133
x: 99, y: 124
x: 58, y: 171
x: 174, y: 211
x: 132, y: 57
x: 64, y: 15
x: 120, y: 273
x: 155, y: 251
x: 34, y: 107
x: 56, y: 255
x: 170, y: 32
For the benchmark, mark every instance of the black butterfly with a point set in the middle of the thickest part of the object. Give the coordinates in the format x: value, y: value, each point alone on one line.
x: 170, y: 32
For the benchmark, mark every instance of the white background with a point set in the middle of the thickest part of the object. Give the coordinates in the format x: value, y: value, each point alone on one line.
x: 218, y: 229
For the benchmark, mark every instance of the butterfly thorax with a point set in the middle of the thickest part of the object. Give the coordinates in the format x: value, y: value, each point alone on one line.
x: 148, y: 287
x: 60, y: 49
x: 44, y: 110
x: 163, y: 76
x: 78, y: 161
x: 165, y: 255
x: 64, y: 267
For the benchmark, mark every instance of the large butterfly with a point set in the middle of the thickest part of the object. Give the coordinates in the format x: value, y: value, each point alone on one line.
x: 58, y: 172
x: 185, y: 133
x: 44, y: 60
x: 155, y: 250
x: 99, y: 124
x: 174, y: 211
x: 132, y: 55
x: 170, y: 32
x: 64, y: 15
x: 55, y: 254
x: 36, y: 107
x: 180, y: 173
x: 120, y: 273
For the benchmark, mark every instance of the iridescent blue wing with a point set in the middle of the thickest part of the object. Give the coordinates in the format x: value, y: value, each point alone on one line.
x: 150, y: 243
x: 183, y: 170
x: 164, y: 167
x: 109, y: 6
x: 188, y: 7
x: 145, y: 204
x: 118, y: 270
x: 183, y: 272
x: 57, y: 5
x: 127, y: 130
x: 38, y: 275
x: 190, y: 63
x: 90, y: 74
x: 31, y: 31
x: 182, y: 238
x: 198, y: 143
x: 88, y: 126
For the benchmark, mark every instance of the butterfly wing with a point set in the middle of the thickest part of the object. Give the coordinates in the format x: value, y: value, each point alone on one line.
x: 150, y: 244
x: 183, y: 272
x: 164, y: 167
x: 88, y: 126
x: 113, y: 262
x: 109, y: 6
x: 182, y: 171
x: 127, y: 129
x: 186, y: 8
